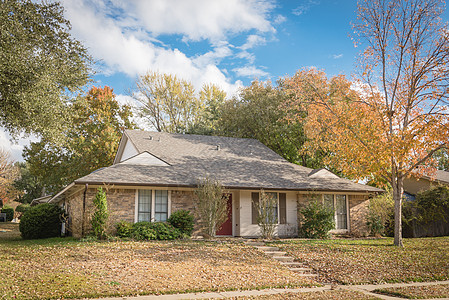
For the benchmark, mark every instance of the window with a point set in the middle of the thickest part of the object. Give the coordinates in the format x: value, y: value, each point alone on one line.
x: 279, y: 208
x: 144, y: 205
x: 339, y: 205
x: 161, y: 206
x: 341, y: 212
x: 152, y: 205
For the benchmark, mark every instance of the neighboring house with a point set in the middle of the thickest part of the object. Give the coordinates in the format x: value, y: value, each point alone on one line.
x: 414, y: 185
x: 40, y: 200
x: 156, y: 173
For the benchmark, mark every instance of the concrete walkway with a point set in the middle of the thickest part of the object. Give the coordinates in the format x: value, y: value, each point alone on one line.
x: 365, y: 289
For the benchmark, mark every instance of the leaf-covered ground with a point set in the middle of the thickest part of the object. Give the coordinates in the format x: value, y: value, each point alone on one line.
x: 66, y: 268
x: 324, y: 295
x: 418, y: 292
x: 373, y: 260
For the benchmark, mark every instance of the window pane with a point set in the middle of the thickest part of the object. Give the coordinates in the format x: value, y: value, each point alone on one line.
x: 275, y: 210
x: 329, y: 201
x: 144, y: 206
x: 161, y: 206
x: 341, y: 210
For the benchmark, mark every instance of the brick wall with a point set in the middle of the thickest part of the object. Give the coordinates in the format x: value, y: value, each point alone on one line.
x: 121, y: 204
x: 358, y: 212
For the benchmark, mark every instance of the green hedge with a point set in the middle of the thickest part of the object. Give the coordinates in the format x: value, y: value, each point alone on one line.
x: 154, y: 231
x: 41, y: 221
x: 9, y: 211
x: 183, y: 221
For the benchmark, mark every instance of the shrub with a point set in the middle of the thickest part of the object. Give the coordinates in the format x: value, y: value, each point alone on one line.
x: 267, y: 218
x: 183, y: 220
x: 318, y: 220
x: 9, y: 211
x: 379, y: 216
x: 41, y: 221
x: 375, y: 224
x: 124, y: 229
x: 211, y: 206
x: 154, y: 231
x: 21, y: 209
x: 100, y: 215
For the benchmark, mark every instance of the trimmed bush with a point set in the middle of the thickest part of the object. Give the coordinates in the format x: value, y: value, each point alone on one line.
x: 9, y: 211
x: 100, y: 216
x: 317, y: 222
x: 183, y: 221
x: 154, y: 231
x: 21, y: 209
x: 124, y: 229
x: 41, y: 221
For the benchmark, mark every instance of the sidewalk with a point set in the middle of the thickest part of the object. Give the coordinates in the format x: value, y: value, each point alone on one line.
x: 366, y: 289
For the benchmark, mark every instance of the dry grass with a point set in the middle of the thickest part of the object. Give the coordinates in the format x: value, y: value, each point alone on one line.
x: 418, y: 292
x: 373, y: 261
x: 324, y: 295
x: 66, y: 268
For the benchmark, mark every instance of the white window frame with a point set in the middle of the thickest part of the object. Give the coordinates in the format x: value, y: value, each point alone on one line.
x: 153, y: 203
x: 334, y: 196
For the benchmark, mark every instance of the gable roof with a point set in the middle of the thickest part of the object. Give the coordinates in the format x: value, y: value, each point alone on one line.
x: 235, y: 162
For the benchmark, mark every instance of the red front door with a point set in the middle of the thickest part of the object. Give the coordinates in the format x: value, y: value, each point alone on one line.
x: 226, y: 228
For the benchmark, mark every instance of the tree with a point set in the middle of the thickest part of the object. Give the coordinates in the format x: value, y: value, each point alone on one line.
x: 30, y: 185
x: 211, y: 206
x: 212, y: 99
x: 8, y: 173
x: 258, y: 113
x: 39, y: 63
x: 91, y: 143
x: 168, y: 103
x: 100, y: 215
x: 267, y: 218
x: 395, y: 123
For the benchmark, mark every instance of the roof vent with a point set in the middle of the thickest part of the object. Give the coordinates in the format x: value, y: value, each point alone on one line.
x: 150, y: 138
x: 218, y: 147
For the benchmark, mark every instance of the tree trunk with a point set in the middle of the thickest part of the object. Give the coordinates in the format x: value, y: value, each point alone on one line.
x: 397, y: 196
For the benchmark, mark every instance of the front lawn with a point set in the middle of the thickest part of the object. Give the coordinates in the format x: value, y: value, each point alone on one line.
x: 67, y: 268
x: 417, y: 292
x: 373, y: 260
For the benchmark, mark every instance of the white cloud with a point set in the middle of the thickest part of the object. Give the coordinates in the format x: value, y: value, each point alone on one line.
x: 337, y: 56
x: 15, y: 148
x: 250, y: 71
x: 279, y: 19
x: 202, y: 19
x: 252, y: 41
x: 305, y: 7
x: 123, y: 44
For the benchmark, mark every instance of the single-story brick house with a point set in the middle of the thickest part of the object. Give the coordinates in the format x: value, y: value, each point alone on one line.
x: 156, y: 173
x: 413, y: 185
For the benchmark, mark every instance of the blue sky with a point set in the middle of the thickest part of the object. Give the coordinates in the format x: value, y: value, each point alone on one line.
x: 226, y: 42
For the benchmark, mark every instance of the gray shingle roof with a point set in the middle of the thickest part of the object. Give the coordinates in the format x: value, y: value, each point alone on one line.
x: 236, y: 163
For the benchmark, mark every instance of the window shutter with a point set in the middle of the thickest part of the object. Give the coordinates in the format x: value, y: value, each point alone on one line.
x: 255, y: 204
x: 283, y: 208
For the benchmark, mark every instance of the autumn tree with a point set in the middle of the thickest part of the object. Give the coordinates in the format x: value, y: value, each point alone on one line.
x: 168, y: 103
x: 258, y: 113
x: 8, y: 173
x: 39, y: 63
x: 393, y: 125
x: 91, y: 143
x: 30, y: 185
x: 212, y: 99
